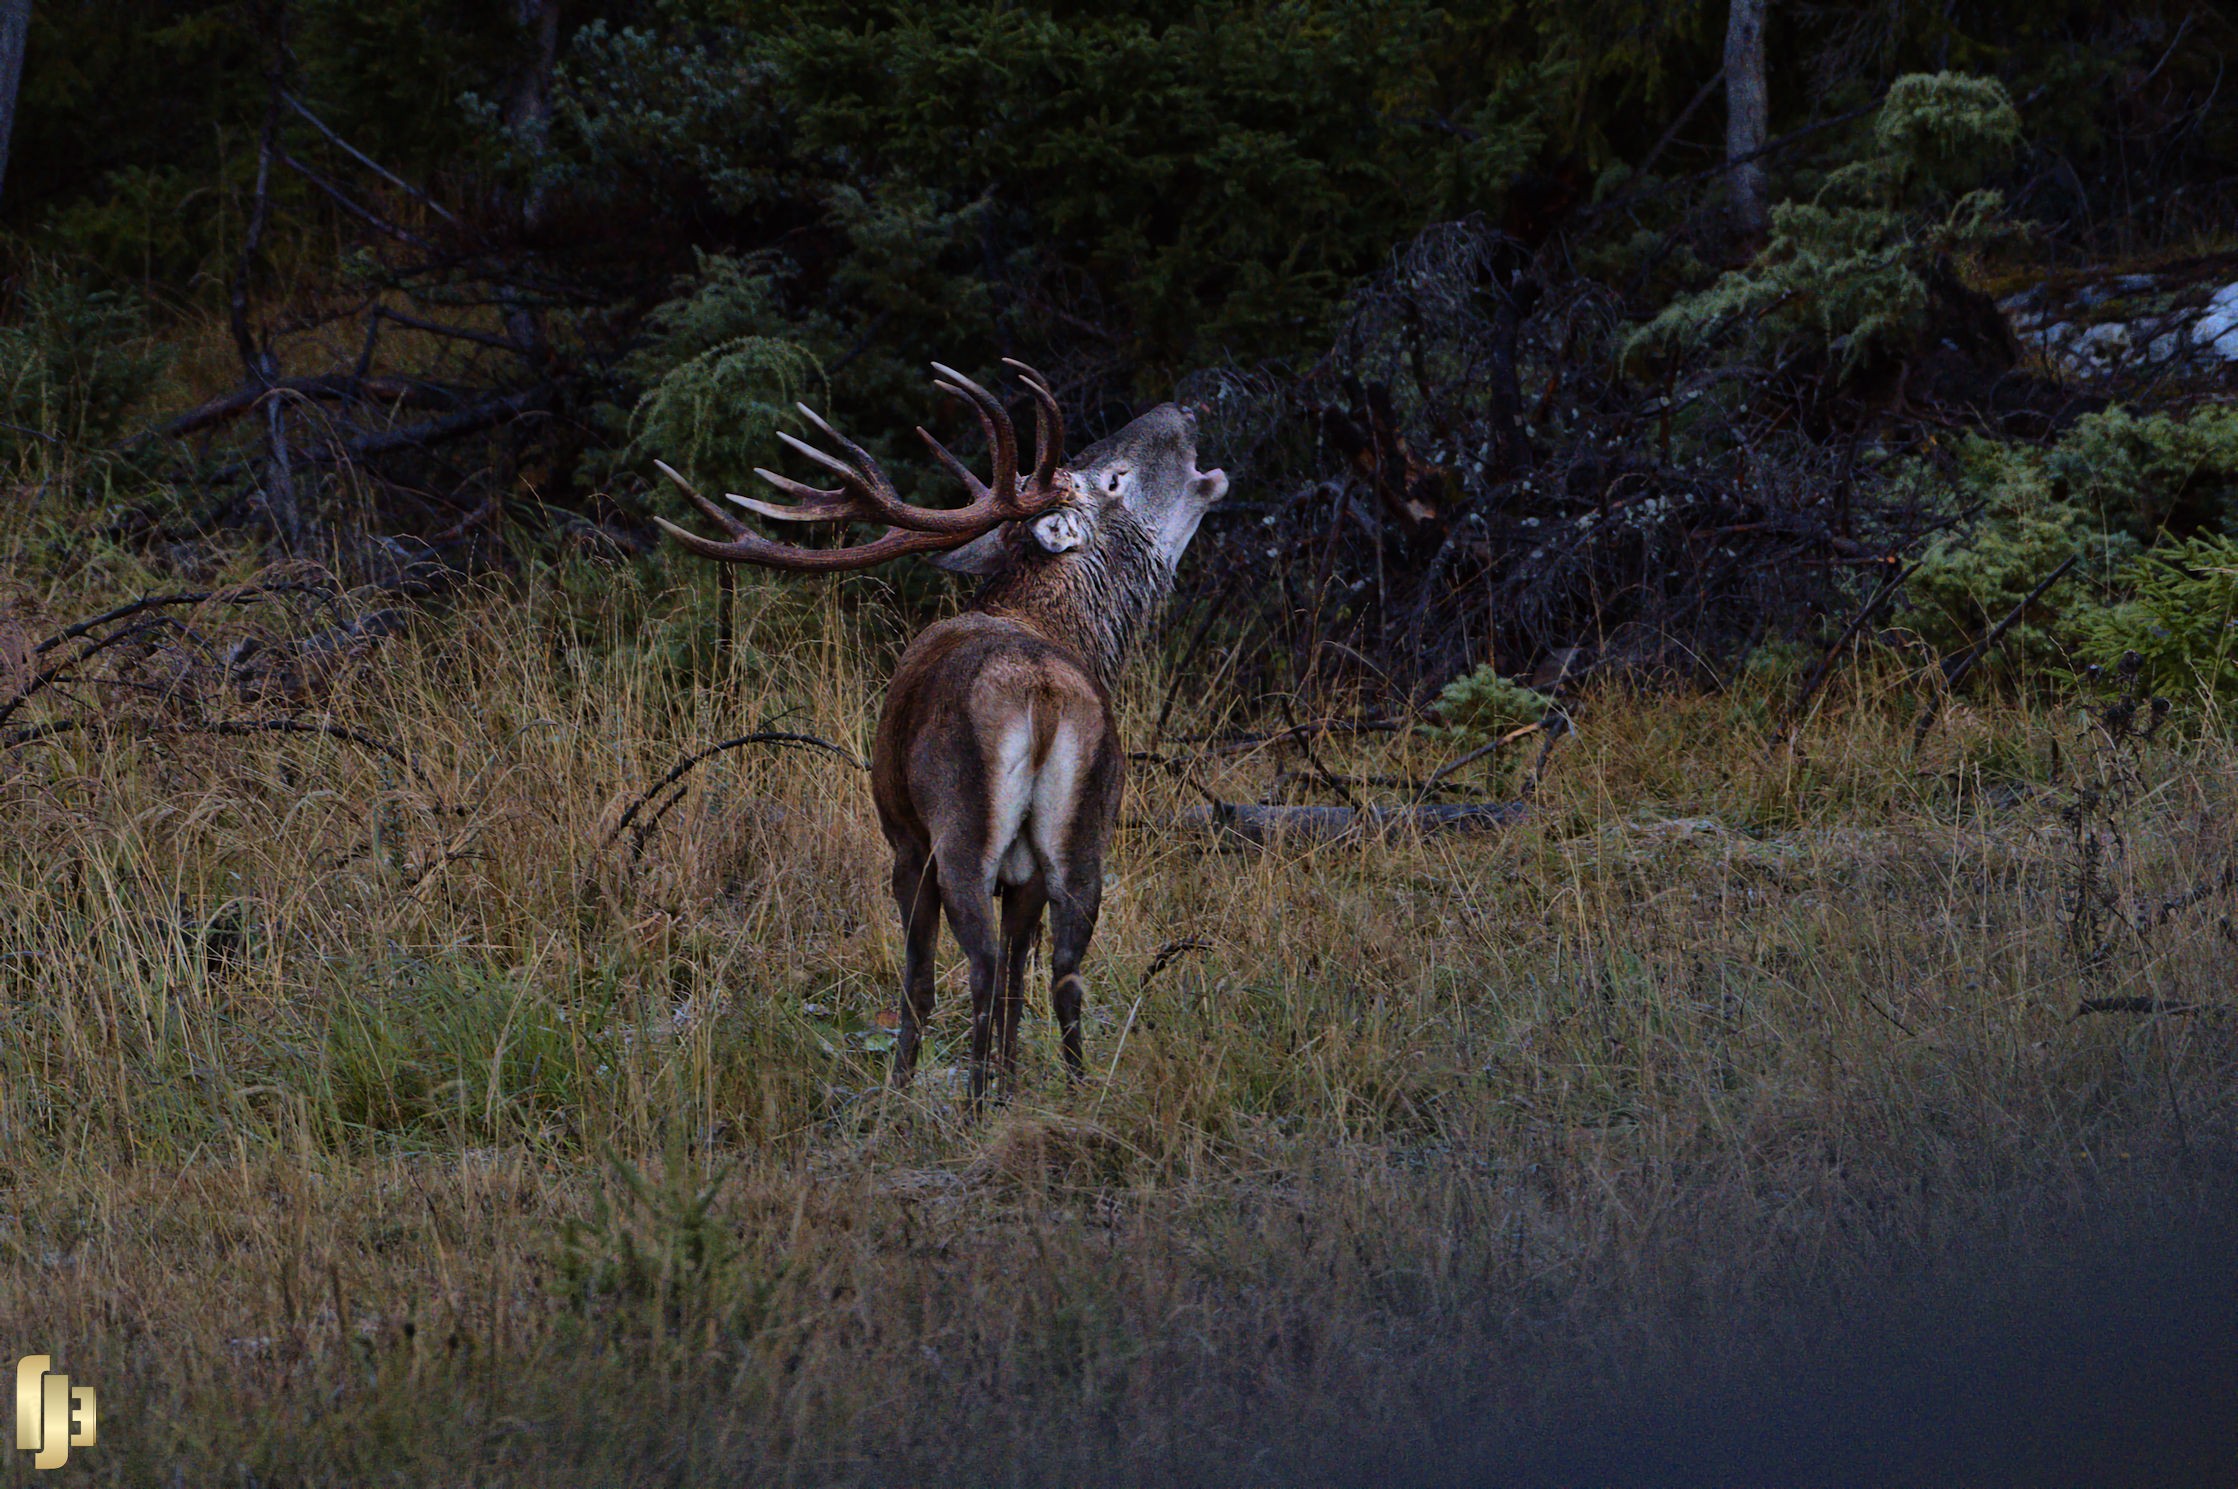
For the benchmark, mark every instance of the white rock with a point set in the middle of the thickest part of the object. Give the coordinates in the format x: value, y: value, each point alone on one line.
x: 2103, y: 339
x: 2225, y: 298
x: 2215, y: 324
x: 2165, y: 347
x: 2096, y: 347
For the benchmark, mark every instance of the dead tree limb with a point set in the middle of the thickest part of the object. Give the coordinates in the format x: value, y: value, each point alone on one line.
x: 2132, y: 1005
x: 1956, y: 668
x: 246, y: 595
x: 47, y: 677
x: 367, y: 161
x: 1313, y: 759
x: 1261, y: 826
x: 472, y: 419
x: 1824, y: 667
x: 354, y: 208
x: 410, y: 392
x: 696, y: 758
x: 456, y: 333
x: 244, y: 341
x: 1173, y: 951
x: 1678, y: 125
x: 1477, y: 754
x: 229, y: 727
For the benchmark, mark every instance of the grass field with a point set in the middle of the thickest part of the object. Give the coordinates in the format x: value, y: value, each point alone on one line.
x: 365, y: 1120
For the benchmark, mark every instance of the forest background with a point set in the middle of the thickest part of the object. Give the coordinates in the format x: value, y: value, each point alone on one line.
x: 1479, y: 278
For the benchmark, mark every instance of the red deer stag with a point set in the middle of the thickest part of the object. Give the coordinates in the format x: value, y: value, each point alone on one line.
x: 997, y: 769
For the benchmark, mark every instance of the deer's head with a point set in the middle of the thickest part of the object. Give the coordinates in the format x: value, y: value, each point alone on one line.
x: 1084, y: 547
x: 1137, y: 492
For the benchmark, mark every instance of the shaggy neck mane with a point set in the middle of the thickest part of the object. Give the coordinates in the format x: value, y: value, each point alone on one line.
x: 1093, y: 600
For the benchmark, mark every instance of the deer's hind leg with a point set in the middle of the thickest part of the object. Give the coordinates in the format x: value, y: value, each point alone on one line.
x: 1073, y: 905
x: 970, y: 902
x: 1021, y: 926
x: 917, y: 895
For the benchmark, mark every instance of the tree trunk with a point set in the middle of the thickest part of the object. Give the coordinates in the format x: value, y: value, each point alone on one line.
x: 528, y: 111
x: 529, y: 108
x: 15, y: 27
x: 1745, y: 113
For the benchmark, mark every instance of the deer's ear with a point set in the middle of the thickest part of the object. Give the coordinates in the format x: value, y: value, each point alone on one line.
x: 980, y: 557
x: 1061, y: 531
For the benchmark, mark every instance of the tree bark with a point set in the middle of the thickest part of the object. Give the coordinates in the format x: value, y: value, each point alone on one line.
x: 529, y: 109
x: 1745, y: 113
x: 15, y: 28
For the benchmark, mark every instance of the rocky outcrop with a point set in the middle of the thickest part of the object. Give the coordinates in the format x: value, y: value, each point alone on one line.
x: 2130, y: 323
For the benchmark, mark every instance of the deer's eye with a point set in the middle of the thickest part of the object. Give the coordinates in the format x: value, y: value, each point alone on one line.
x: 1115, y: 480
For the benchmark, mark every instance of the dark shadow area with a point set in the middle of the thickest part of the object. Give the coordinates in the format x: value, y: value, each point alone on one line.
x: 2101, y: 1351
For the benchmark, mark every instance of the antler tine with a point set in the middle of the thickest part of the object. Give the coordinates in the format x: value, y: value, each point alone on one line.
x: 955, y: 467
x: 831, y: 463
x: 859, y: 473
x: 866, y: 495
x: 815, y: 504
x: 1002, y: 436
x: 1049, y: 423
x: 751, y: 549
x: 722, y: 518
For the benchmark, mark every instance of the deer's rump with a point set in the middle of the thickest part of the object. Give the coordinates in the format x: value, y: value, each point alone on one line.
x: 998, y: 754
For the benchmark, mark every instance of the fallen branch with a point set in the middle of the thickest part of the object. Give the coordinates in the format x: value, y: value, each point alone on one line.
x: 2205, y: 889
x: 48, y: 676
x: 1477, y: 754
x: 692, y: 762
x: 1956, y: 668
x: 1555, y: 725
x: 354, y: 208
x: 33, y: 733
x: 39, y: 681
x: 1261, y: 826
x: 469, y: 420
x: 1305, y: 745
x: 410, y: 392
x: 247, y: 594
x: 366, y: 160
x: 437, y: 328
x: 2132, y: 1005
x: 1825, y: 667
x: 1173, y: 951
x: 1315, y: 726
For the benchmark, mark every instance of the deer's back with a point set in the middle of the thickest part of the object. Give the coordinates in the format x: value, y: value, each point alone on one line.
x: 976, y: 700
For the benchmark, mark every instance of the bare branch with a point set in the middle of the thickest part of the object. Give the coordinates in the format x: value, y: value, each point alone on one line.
x: 367, y: 161
x: 694, y: 760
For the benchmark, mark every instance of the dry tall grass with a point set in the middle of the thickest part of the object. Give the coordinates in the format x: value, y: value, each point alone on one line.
x: 366, y: 1123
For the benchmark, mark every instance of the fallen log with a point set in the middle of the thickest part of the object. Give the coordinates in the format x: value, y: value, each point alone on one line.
x: 1261, y: 825
x: 401, y: 391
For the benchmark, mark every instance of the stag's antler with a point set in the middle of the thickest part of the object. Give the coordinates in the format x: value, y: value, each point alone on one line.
x: 865, y: 495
